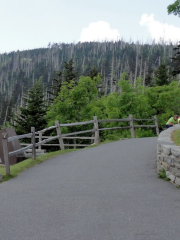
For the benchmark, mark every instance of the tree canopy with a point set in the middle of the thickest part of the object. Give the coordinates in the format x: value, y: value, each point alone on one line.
x: 174, y: 8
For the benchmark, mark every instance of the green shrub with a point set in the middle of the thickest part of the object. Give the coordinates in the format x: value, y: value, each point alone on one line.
x: 139, y: 133
x: 162, y: 174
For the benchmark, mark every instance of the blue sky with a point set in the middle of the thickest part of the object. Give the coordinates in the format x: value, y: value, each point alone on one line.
x: 26, y: 24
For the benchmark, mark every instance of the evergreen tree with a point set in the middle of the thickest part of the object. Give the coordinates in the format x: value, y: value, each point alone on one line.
x: 56, y: 86
x: 149, y: 80
x: 69, y: 72
x: 175, y: 64
x: 93, y: 73
x: 33, y: 112
x: 161, y: 75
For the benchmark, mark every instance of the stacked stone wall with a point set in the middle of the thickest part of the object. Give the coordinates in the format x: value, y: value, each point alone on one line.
x: 168, y: 155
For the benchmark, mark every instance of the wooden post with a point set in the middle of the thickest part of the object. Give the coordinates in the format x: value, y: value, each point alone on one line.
x: 131, y: 125
x: 6, y: 153
x: 96, y: 127
x: 40, y: 139
x: 33, y: 141
x: 74, y: 141
x: 93, y: 136
x: 58, y: 129
x: 156, y: 123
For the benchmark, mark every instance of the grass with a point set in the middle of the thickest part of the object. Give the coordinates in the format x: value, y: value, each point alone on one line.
x: 176, y: 137
x: 16, y: 169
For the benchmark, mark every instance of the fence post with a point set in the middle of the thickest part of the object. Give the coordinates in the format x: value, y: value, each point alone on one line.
x: 93, y: 136
x: 6, y: 153
x: 156, y: 123
x: 96, y: 128
x: 131, y: 125
x: 33, y: 141
x: 58, y: 129
x: 74, y: 141
x: 40, y: 139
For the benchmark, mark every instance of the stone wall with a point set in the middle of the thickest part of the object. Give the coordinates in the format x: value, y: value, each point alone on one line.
x: 168, y: 155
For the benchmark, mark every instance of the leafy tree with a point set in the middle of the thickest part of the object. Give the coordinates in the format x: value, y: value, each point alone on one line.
x: 174, y: 8
x: 33, y: 112
x: 72, y: 103
x: 164, y: 101
x: 80, y: 102
x: 161, y: 75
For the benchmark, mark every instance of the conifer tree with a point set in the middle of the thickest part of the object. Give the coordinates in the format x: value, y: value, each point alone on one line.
x: 175, y: 64
x: 69, y: 72
x: 56, y: 86
x: 161, y: 75
x: 33, y: 112
x: 68, y: 75
x: 93, y: 73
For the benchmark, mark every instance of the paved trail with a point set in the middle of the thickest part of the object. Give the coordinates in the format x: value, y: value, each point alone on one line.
x: 110, y: 192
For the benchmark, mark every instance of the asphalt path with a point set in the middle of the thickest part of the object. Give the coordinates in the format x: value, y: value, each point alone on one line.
x: 109, y: 192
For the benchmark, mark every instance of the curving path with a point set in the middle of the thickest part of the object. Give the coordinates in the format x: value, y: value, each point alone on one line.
x: 110, y: 192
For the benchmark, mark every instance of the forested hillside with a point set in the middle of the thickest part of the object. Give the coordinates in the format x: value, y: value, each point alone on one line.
x: 20, y: 70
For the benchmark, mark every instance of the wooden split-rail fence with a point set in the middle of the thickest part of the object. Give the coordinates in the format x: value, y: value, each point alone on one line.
x: 95, y: 130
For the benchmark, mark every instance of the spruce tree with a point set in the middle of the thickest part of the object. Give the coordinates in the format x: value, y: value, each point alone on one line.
x: 68, y: 75
x: 93, y: 73
x: 161, y: 75
x: 175, y: 64
x: 56, y: 86
x: 33, y: 112
x: 69, y: 72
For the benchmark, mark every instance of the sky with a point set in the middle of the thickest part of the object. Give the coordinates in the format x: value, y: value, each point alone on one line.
x: 29, y: 24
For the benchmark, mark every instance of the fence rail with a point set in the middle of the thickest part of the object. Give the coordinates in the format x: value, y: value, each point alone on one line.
x: 73, y: 135
x: 114, y: 120
x: 29, y: 135
x: 76, y: 124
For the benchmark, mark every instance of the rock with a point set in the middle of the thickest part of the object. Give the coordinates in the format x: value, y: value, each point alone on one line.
x: 176, y: 152
x: 161, y: 157
x: 159, y: 167
x: 159, y: 149
x: 177, y: 181
x: 177, y: 165
x: 170, y: 176
x: 1, y: 177
x: 165, y: 165
x: 169, y: 160
x: 166, y: 150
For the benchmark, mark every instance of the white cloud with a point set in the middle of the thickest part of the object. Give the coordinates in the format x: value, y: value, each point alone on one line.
x: 160, y: 30
x: 99, y: 31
